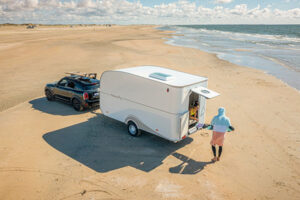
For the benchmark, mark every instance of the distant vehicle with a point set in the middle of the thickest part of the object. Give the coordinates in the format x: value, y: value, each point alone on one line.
x: 155, y: 99
x: 80, y: 90
x: 30, y: 27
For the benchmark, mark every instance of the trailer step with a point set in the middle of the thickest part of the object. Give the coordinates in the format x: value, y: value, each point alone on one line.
x: 193, y: 130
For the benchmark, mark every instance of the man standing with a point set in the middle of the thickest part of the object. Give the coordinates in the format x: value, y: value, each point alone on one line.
x: 220, y: 125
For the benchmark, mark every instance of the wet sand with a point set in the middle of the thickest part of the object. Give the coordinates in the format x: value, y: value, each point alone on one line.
x: 50, y: 151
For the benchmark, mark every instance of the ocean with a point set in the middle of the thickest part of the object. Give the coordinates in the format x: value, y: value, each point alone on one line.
x: 274, y: 49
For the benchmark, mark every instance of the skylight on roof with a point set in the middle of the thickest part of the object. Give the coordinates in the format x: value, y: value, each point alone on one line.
x: 161, y: 76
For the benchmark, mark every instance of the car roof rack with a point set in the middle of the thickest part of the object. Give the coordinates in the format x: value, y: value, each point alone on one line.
x: 87, y: 75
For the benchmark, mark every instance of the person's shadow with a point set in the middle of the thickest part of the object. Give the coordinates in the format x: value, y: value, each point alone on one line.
x: 188, y: 165
x: 103, y: 144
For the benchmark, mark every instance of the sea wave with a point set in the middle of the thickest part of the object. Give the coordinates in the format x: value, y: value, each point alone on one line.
x: 276, y: 54
x: 276, y: 37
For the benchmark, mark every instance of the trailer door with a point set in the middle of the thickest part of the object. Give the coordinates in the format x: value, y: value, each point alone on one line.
x: 205, y: 92
x: 184, y: 124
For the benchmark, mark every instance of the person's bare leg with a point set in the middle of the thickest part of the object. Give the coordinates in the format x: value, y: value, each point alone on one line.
x: 214, y: 152
x: 220, y: 152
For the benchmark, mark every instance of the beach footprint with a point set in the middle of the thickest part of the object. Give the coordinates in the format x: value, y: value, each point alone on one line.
x: 204, y: 134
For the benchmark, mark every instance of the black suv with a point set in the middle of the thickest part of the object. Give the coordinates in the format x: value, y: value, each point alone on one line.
x: 80, y: 90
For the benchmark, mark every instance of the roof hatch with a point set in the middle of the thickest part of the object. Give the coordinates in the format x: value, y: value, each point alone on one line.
x: 161, y: 76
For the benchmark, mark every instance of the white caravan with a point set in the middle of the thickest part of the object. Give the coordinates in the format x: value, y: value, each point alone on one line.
x: 154, y: 99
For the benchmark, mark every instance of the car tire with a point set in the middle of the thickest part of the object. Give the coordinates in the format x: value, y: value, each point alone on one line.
x: 49, y: 95
x: 77, y: 105
x: 133, y: 129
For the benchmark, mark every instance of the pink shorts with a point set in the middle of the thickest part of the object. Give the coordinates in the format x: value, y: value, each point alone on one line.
x: 217, y: 138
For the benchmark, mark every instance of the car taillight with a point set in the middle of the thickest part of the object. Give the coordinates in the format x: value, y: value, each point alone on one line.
x: 85, y: 96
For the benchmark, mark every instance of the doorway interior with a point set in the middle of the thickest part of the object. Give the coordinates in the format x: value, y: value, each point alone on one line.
x: 193, y: 109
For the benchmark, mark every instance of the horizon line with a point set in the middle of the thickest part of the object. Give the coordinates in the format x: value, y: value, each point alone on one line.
x: 46, y: 24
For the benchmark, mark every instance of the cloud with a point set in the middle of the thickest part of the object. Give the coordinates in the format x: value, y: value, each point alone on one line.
x: 17, y: 5
x: 31, y: 3
x: 293, y: 13
x: 239, y: 10
x: 127, y: 12
x: 86, y: 4
x: 223, y: 1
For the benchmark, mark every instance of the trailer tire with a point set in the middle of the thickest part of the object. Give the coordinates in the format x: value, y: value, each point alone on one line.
x: 133, y: 129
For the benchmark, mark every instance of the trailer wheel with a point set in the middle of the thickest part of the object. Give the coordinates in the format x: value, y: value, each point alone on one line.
x: 133, y: 129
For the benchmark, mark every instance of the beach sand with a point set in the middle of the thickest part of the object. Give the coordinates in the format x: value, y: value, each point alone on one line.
x: 50, y: 151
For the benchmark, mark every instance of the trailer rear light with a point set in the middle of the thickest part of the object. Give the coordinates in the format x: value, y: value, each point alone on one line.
x: 183, y: 137
x: 85, y: 96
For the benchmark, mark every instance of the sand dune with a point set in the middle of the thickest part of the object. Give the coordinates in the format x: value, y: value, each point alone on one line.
x: 50, y: 151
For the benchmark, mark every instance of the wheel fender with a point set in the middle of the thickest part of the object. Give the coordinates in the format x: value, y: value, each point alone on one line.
x: 49, y: 89
x: 130, y: 119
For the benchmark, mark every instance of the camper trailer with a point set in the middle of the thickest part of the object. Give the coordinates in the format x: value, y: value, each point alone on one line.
x: 155, y: 99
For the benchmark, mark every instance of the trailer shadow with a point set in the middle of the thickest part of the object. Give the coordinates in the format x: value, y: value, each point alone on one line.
x: 103, y: 144
x: 188, y: 165
x: 54, y: 107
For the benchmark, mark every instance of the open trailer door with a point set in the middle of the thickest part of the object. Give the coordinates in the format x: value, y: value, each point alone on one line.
x: 205, y: 92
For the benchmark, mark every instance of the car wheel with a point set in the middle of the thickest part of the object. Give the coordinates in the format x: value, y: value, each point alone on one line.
x: 77, y: 105
x: 49, y: 95
x: 133, y: 129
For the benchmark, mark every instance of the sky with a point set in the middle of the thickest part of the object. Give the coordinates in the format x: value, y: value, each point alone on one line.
x: 150, y: 11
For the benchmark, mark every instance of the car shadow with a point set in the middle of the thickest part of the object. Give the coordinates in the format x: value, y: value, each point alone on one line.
x: 188, y: 165
x: 55, y: 107
x: 103, y: 144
